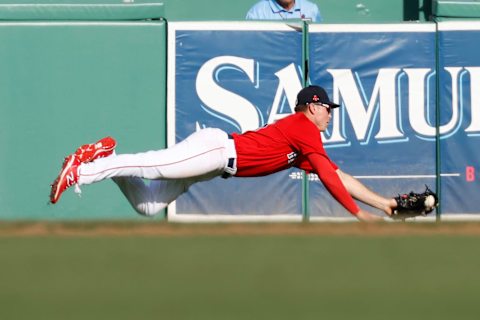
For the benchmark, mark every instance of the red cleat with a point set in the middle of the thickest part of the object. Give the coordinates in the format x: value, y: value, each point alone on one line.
x: 68, y: 177
x: 90, y: 152
x: 87, y: 153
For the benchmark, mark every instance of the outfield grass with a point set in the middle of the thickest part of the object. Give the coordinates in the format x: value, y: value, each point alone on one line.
x: 240, y: 277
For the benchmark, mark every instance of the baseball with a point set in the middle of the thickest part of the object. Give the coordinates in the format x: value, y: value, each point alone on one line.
x: 429, y: 201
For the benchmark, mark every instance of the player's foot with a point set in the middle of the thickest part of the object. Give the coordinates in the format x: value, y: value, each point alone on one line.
x: 68, y: 177
x: 86, y: 153
x: 100, y: 149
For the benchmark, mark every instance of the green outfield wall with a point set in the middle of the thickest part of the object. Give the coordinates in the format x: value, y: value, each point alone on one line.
x: 65, y: 83
x: 333, y: 11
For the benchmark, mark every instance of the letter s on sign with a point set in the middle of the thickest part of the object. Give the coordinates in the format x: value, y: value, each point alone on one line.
x: 223, y: 101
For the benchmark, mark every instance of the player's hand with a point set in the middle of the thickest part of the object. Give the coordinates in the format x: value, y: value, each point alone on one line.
x: 365, y: 216
x: 389, y: 207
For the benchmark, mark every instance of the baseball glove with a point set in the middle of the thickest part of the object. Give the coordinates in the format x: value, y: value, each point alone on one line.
x: 415, y: 204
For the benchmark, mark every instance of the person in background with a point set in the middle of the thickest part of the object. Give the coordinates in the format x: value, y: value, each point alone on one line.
x: 284, y: 10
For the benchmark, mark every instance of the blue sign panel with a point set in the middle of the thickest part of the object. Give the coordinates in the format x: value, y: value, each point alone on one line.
x: 384, y: 133
x: 236, y: 77
x: 240, y: 76
x: 459, y: 65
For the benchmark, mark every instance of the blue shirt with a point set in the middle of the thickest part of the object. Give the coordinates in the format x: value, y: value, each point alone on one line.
x: 271, y: 10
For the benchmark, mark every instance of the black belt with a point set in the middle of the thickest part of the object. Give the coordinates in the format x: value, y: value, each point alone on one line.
x: 230, y: 164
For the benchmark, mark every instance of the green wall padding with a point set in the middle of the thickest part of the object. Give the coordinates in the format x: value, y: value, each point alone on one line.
x: 333, y: 11
x: 457, y: 9
x: 64, y: 84
x: 64, y: 11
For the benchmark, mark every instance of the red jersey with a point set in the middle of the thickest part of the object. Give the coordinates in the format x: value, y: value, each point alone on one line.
x: 289, y: 142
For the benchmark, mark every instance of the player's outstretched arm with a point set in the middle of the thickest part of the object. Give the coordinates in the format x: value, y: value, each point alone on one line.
x: 363, y: 215
x: 361, y: 193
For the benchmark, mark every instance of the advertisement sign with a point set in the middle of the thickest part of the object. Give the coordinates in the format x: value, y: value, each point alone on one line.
x: 383, y: 76
x: 459, y: 65
x: 240, y: 76
x: 237, y: 77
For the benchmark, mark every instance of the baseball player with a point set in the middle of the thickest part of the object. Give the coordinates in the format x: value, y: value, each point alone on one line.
x: 293, y: 141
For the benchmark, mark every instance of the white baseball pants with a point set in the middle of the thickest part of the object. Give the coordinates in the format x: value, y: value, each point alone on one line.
x: 202, y: 156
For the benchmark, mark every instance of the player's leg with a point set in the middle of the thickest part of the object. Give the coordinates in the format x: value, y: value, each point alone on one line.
x: 204, y: 152
x: 149, y: 198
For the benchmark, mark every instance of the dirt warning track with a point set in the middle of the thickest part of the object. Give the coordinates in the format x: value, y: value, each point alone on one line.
x: 94, y: 229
